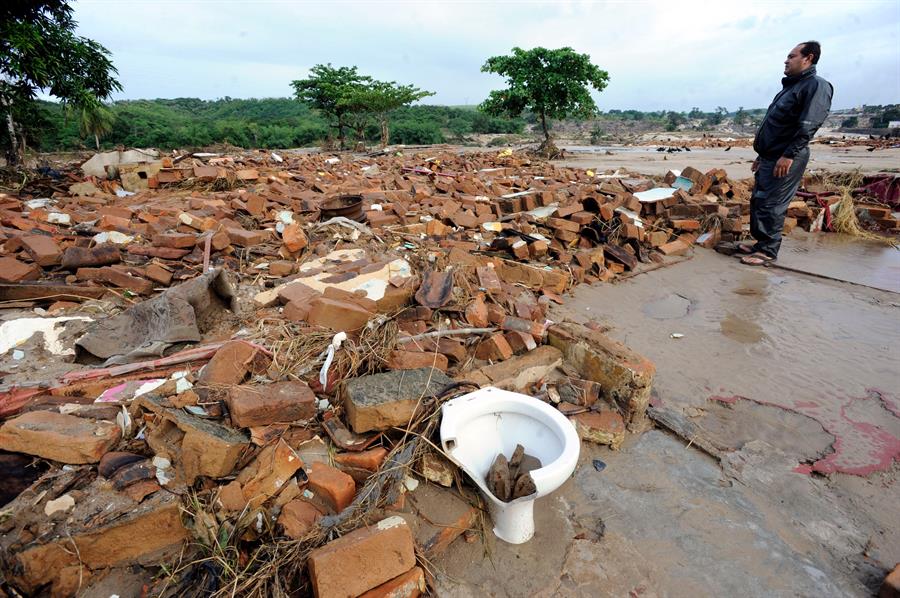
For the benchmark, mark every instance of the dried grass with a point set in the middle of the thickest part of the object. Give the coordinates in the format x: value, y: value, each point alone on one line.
x: 224, y: 563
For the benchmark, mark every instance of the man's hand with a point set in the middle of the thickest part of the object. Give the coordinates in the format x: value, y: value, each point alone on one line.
x: 755, y: 165
x: 782, y: 166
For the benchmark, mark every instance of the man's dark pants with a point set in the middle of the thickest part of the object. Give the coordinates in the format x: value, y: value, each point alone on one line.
x: 770, y: 199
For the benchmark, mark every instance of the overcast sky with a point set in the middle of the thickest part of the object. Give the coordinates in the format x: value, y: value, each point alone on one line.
x: 660, y: 55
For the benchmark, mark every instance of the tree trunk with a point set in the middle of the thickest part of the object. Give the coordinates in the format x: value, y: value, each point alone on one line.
x: 12, y: 152
x: 97, y: 141
x: 384, y: 132
x: 340, y: 128
x: 544, y: 126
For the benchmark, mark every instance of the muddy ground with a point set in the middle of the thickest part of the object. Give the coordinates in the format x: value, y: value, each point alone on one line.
x: 791, y: 380
x: 736, y: 161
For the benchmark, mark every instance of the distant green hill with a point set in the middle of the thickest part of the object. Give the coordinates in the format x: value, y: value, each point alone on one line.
x: 255, y: 123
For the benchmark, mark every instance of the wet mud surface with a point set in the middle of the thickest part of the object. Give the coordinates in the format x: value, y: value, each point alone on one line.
x: 796, y: 378
x: 736, y: 161
x: 812, y: 346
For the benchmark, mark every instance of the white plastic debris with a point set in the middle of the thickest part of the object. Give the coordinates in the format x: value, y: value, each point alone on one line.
x: 17, y: 332
x: 676, y: 335
x: 113, y: 236
x: 59, y: 218
x: 277, y: 158
x: 163, y: 467
x: 34, y: 204
x: 339, y: 338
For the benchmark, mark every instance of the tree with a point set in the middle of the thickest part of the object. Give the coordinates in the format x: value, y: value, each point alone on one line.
x: 549, y: 83
x: 850, y: 122
x: 380, y: 98
x: 740, y: 117
x: 329, y: 90
x: 95, y: 119
x: 40, y: 51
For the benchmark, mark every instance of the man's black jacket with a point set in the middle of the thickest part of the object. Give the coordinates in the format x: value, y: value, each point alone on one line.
x: 794, y: 116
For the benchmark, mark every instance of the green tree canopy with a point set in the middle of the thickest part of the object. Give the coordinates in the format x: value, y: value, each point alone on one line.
x: 380, y: 98
x: 330, y: 90
x: 40, y: 51
x: 549, y: 83
x: 94, y: 119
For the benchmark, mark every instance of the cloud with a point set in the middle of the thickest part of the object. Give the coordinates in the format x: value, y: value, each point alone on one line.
x: 660, y: 55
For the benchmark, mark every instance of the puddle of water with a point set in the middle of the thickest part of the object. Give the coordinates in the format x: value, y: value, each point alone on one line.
x: 741, y: 330
x: 669, y: 307
x: 843, y: 257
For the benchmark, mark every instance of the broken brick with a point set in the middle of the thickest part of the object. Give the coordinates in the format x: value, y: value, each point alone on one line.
x: 12, y: 270
x: 298, y: 517
x: 42, y: 249
x: 266, y: 404
x: 362, y: 560
x: 58, y: 437
x: 494, y: 348
x: 230, y: 365
x: 337, y: 315
x: 331, y: 487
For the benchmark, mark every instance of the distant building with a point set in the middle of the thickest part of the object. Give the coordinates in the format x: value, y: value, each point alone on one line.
x: 894, y: 124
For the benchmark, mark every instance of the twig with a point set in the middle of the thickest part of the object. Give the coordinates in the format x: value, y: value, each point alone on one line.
x: 458, y: 331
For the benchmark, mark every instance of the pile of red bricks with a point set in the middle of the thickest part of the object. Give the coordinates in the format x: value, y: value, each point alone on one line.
x: 465, y: 253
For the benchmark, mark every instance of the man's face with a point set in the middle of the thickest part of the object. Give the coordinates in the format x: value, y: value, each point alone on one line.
x: 796, y: 62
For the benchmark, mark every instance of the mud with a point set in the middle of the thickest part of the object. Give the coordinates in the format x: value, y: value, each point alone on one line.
x: 795, y: 377
x: 736, y: 161
x: 664, y: 520
x: 810, y: 345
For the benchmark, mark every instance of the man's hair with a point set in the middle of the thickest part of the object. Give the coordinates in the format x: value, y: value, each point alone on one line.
x: 811, y: 47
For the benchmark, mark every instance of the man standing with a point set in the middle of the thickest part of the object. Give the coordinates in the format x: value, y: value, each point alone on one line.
x: 782, y: 148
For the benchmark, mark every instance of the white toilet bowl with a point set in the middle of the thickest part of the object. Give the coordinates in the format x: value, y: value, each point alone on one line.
x: 478, y: 426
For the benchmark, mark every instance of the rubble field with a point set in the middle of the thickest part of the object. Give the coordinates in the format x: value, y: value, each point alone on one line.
x: 222, y: 374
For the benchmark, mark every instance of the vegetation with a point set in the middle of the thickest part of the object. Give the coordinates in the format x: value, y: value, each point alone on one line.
x: 549, y: 83
x: 890, y: 113
x: 268, y: 123
x: 40, y: 51
x: 352, y: 100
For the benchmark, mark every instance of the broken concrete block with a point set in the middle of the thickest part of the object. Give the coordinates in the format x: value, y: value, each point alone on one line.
x: 197, y: 446
x: 382, y: 401
x: 362, y: 560
x: 604, y: 427
x: 58, y: 437
x: 625, y: 377
x: 266, y: 404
